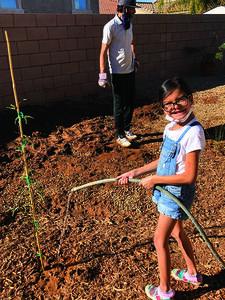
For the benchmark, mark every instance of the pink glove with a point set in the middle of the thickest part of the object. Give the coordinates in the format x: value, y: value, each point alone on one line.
x: 103, y: 81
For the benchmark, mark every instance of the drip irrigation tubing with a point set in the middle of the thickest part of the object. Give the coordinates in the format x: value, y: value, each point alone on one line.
x: 161, y: 189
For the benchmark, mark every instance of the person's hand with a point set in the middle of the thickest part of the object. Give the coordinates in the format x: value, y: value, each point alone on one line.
x: 147, y: 182
x: 103, y: 81
x: 124, y: 178
x: 136, y: 64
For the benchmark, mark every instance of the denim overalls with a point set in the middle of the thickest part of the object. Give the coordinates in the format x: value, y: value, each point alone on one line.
x: 167, y: 166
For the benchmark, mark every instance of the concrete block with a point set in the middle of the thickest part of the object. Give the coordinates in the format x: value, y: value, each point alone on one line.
x: 28, y: 47
x: 60, y: 57
x: 57, y: 32
x: 67, y: 44
x: 84, y: 19
x: 85, y: 43
x: 37, y: 33
x: 6, y: 20
x: 46, y: 20
x: 43, y: 83
x: 24, y: 86
x: 24, y: 20
x: 86, y: 66
x: 20, y: 61
x: 40, y: 59
x: 51, y: 70
x: 76, y: 31
x: 65, y: 20
x: 70, y: 68
x: 31, y: 73
x: 6, y: 89
x: 17, y: 34
x: 93, y: 31
x: 49, y: 45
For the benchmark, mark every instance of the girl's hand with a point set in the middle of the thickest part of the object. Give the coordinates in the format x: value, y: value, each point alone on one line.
x: 124, y: 178
x: 147, y: 182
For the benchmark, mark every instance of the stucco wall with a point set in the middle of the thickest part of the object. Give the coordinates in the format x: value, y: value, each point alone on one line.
x: 47, y: 6
x: 56, y: 56
x: 54, y: 6
x: 95, y: 6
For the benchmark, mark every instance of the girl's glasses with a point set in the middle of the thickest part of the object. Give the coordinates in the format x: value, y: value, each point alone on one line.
x: 183, y: 101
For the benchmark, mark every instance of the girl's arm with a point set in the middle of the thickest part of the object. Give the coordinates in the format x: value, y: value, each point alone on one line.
x: 151, y: 167
x: 188, y: 177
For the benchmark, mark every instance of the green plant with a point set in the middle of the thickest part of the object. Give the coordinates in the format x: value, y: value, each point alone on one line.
x: 219, y: 54
x: 220, y: 133
x: 187, y: 6
x: 30, y: 189
x: 217, y: 133
x: 22, y: 204
x: 210, y: 57
x: 18, y: 209
x: 20, y: 115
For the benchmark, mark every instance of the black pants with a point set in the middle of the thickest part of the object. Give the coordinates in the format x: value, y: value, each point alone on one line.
x: 123, y: 90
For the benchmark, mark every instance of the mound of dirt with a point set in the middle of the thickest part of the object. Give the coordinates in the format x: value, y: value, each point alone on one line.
x: 97, y: 243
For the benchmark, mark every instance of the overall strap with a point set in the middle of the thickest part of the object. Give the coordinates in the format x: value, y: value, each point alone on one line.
x: 195, y: 123
x: 186, y: 130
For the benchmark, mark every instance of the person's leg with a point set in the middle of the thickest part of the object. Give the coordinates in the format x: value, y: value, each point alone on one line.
x: 185, y: 245
x: 161, y: 241
x: 118, y: 105
x: 129, y: 98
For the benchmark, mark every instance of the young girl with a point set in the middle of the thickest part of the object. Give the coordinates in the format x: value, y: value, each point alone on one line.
x: 176, y: 171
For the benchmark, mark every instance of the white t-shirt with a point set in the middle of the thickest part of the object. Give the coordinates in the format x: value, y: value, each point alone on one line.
x: 193, y: 140
x: 120, y: 55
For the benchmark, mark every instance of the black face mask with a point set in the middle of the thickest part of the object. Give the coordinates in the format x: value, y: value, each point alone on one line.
x: 126, y: 21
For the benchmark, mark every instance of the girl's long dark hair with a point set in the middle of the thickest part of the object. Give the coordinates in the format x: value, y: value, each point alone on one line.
x: 170, y: 85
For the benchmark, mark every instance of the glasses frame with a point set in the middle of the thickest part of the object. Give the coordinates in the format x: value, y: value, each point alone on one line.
x: 176, y: 102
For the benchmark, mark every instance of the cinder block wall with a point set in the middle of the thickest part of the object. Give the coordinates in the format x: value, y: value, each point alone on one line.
x: 56, y: 57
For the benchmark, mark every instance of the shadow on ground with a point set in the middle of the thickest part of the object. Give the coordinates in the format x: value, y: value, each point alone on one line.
x: 216, y: 133
x: 211, y: 284
x: 46, y: 119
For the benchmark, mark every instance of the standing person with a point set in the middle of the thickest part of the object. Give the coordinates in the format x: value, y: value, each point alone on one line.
x: 176, y: 171
x: 118, y: 45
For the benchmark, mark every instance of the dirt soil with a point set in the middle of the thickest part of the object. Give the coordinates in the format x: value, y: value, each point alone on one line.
x: 97, y: 243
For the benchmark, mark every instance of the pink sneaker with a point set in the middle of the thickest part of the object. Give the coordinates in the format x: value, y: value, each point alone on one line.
x: 183, y: 275
x: 154, y: 292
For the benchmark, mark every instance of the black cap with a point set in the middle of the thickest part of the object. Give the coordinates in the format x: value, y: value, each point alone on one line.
x: 130, y: 3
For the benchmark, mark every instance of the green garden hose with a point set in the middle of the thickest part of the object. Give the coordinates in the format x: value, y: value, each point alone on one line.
x: 197, y: 225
